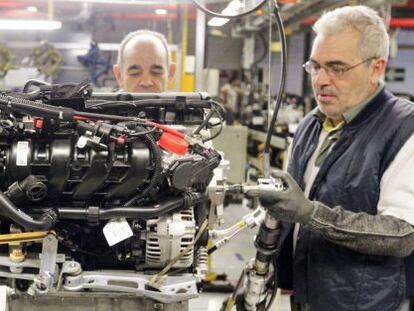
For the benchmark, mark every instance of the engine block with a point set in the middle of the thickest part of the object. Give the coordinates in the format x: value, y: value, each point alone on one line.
x: 105, y: 182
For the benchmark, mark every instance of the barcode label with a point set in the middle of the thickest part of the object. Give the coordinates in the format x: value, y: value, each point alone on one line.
x: 117, y: 230
x: 22, y: 153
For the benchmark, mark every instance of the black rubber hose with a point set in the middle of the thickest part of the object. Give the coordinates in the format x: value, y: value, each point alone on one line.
x: 128, y: 212
x: 155, y: 151
x: 31, y: 82
x: 40, y: 109
x: 30, y: 107
x: 132, y: 212
x: 45, y: 222
x: 35, y: 95
x: 282, y: 83
x: 204, y: 123
x: 265, y: 49
x: 152, y: 211
x: 144, y: 103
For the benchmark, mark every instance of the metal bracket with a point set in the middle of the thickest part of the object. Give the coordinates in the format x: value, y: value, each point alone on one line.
x: 47, y: 274
x: 174, y: 289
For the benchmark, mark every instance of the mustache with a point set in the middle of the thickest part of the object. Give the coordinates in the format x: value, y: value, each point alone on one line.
x: 325, y: 91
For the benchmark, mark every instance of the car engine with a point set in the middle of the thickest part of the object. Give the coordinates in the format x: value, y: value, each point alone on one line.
x: 105, y: 192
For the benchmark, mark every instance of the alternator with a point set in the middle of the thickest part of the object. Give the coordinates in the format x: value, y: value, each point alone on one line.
x: 167, y: 236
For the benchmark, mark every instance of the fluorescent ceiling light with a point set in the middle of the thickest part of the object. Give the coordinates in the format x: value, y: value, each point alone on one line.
x: 19, y: 24
x: 233, y: 8
x: 161, y: 11
x: 32, y: 9
x: 217, y: 21
x: 140, y: 2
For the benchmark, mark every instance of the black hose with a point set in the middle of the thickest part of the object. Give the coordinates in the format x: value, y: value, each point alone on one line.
x: 127, y: 212
x: 265, y: 49
x: 214, y: 109
x: 156, y: 175
x: 132, y: 212
x: 35, y: 95
x: 212, y: 249
x: 153, y: 211
x: 170, y: 96
x: 204, y: 123
x: 274, y: 292
x: 45, y: 222
x: 22, y: 104
x: 282, y: 83
x: 151, y: 102
x: 220, y: 109
x: 219, y: 130
x: 31, y: 82
x: 26, y: 106
x: 39, y: 109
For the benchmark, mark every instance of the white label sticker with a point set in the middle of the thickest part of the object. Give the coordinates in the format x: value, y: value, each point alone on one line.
x: 22, y: 153
x: 257, y: 120
x: 117, y: 230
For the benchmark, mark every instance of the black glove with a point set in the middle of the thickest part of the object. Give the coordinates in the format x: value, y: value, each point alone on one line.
x: 289, y: 205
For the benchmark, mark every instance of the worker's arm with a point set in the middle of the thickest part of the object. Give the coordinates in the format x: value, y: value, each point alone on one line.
x: 370, y: 234
x: 388, y: 233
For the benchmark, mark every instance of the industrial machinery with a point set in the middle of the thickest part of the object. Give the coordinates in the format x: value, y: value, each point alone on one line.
x: 105, y: 192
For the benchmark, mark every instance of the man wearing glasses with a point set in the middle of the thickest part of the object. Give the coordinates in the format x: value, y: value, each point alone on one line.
x: 350, y: 182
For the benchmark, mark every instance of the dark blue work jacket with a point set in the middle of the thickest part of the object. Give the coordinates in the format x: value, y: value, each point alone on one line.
x: 325, y: 275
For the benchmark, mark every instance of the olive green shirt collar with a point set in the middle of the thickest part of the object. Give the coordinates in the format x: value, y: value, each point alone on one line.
x: 350, y: 114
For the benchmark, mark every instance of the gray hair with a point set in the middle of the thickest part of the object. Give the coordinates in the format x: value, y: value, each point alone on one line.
x: 143, y: 32
x: 374, y: 37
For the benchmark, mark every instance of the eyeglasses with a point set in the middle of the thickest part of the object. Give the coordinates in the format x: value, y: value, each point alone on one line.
x: 333, y: 70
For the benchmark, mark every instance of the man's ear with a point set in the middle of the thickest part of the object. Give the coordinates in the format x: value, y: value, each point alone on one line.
x: 379, y: 67
x: 171, y: 72
x: 117, y: 73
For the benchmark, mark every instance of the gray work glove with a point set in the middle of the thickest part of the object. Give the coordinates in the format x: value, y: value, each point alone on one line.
x: 289, y: 205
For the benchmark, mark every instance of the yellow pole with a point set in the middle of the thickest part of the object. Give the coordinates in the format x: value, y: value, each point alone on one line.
x: 50, y: 10
x: 187, y: 79
x: 184, y: 41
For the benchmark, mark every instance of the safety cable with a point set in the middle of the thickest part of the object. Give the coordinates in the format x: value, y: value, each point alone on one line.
x: 274, y: 292
x: 215, y: 14
x: 265, y: 49
x: 283, y: 60
x: 269, y: 73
